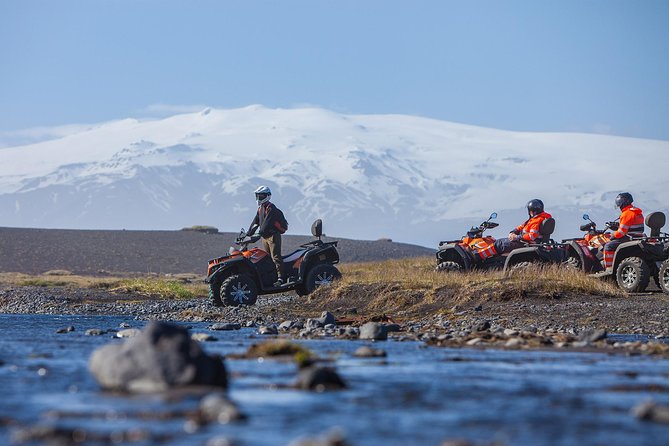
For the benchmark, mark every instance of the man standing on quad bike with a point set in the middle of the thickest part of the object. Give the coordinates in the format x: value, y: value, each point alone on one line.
x: 270, y: 223
x: 526, y: 232
x: 631, y: 223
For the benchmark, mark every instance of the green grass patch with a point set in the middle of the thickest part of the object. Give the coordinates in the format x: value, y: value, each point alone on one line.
x: 167, y: 289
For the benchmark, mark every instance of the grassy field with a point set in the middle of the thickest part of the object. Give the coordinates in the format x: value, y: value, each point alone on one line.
x: 413, y: 287
x: 408, y: 285
x: 180, y: 286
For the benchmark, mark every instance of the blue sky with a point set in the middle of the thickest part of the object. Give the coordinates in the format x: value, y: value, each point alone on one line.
x: 575, y: 65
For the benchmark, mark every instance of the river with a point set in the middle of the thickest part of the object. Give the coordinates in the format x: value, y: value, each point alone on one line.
x: 416, y: 395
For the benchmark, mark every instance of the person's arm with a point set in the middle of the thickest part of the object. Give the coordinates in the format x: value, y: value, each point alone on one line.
x: 254, y: 226
x: 626, y: 219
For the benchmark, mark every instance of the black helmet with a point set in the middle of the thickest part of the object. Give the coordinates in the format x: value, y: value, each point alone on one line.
x: 624, y: 199
x: 536, y: 206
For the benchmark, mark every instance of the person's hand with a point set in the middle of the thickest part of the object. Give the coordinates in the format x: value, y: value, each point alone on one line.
x: 512, y: 236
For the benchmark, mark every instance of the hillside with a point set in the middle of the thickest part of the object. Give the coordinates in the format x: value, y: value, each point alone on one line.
x: 98, y: 252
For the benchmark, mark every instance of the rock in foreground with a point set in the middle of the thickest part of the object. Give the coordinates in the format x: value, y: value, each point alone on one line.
x: 161, y: 357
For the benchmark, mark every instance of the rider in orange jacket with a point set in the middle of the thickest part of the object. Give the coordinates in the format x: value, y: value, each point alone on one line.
x: 527, y: 232
x: 631, y: 223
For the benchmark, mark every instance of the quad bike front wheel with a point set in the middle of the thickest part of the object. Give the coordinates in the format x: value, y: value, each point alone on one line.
x: 449, y: 266
x: 215, y: 292
x: 573, y: 261
x: 663, y: 276
x: 320, y: 275
x: 633, y: 275
x: 238, y: 289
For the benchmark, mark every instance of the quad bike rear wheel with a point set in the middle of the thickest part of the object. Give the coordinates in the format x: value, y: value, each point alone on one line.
x: 239, y: 289
x: 449, y: 266
x: 633, y: 275
x: 320, y: 275
x: 663, y: 276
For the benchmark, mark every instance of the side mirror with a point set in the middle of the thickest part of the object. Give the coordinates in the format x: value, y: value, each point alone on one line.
x: 493, y: 216
x: 586, y: 217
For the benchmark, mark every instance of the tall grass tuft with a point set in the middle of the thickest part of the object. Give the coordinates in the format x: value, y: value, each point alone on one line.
x: 167, y: 289
x: 412, y: 286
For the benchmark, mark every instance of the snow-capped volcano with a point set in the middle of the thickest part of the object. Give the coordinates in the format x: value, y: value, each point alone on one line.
x: 412, y: 179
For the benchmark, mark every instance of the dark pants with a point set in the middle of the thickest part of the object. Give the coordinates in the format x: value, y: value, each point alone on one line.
x: 272, y: 245
x: 503, y: 245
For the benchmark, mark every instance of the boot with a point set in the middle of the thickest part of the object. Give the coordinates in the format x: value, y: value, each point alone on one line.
x: 279, y: 282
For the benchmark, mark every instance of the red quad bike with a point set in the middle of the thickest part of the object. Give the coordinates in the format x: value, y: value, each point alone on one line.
x: 586, y: 253
x: 462, y: 255
x: 238, y: 278
x: 635, y: 261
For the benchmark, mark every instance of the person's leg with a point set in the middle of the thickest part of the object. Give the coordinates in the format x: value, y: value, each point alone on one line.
x: 610, y: 251
x: 274, y: 244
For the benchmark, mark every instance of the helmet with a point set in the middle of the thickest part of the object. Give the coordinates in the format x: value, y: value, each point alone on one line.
x: 263, y: 193
x: 623, y: 200
x: 536, y: 206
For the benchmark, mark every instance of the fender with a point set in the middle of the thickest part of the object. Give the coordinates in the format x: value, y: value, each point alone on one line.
x: 237, y: 263
x: 455, y: 252
x: 329, y: 251
x: 518, y: 255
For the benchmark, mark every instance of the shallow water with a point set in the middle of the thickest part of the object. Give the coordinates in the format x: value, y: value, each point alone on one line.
x: 417, y: 395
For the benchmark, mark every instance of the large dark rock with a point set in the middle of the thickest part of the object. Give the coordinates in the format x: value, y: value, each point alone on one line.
x: 319, y: 379
x: 161, y: 357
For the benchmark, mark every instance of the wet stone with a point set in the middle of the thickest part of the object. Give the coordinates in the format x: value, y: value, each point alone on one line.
x: 161, y: 357
x: 128, y: 333
x: 65, y: 329
x: 268, y: 330
x: 374, y: 331
x: 95, y: 332
x: 202, y: 337
x: 592, y: 335
x: 369, y: 352
x: 216, y: 407
x: 225, y: 326
x: 327, y: 318
x: 319, y: 379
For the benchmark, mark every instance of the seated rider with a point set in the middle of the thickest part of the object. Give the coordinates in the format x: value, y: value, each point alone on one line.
x: 270, y: 223
x: 631, y: 222
x: 527, y: 232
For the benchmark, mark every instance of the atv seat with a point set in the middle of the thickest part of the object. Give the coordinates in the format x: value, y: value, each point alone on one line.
x: 293, y: 255
x: 655, y: 221
x: 546, y: 228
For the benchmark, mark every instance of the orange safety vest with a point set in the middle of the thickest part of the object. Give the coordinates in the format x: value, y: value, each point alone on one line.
x: 529, y: 230
x: 631, y: 220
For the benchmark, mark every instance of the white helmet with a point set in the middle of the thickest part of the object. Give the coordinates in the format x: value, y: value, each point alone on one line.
x: 263, y: 194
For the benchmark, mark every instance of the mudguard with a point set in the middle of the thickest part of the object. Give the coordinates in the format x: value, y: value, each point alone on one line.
x: 549, y: 253
x: 240, y: 264
x: 457, y: 253
x: 326, y: 253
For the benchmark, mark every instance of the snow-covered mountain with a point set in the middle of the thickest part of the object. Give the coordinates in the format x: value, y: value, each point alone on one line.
x: 411, y: 179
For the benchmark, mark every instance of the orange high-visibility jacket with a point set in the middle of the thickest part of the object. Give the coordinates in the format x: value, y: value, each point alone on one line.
x: 530, y: 229
x: 631, y: 220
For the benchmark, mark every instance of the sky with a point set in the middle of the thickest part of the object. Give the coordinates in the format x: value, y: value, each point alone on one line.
x: 597, y: 66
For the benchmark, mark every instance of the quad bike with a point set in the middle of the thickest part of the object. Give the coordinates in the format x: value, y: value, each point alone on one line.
x: 239, y: 277
x: 586, y: 253
x: 462, y: 255
x: 637, y: 260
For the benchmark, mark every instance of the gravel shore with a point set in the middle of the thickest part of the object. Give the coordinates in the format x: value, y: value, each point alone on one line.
x: 570, y: 321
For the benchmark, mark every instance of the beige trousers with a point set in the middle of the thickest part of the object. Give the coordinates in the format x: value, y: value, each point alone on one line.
x: 272, y: 245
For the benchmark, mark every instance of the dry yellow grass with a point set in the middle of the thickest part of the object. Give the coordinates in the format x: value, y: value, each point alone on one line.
x: 412, y: 286
x: 176, y: 287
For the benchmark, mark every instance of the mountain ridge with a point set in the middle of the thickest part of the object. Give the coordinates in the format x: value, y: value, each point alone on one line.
x: 409, y: 178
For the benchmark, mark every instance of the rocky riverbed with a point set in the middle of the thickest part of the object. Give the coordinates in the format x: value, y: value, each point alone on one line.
x: 565, y: 323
